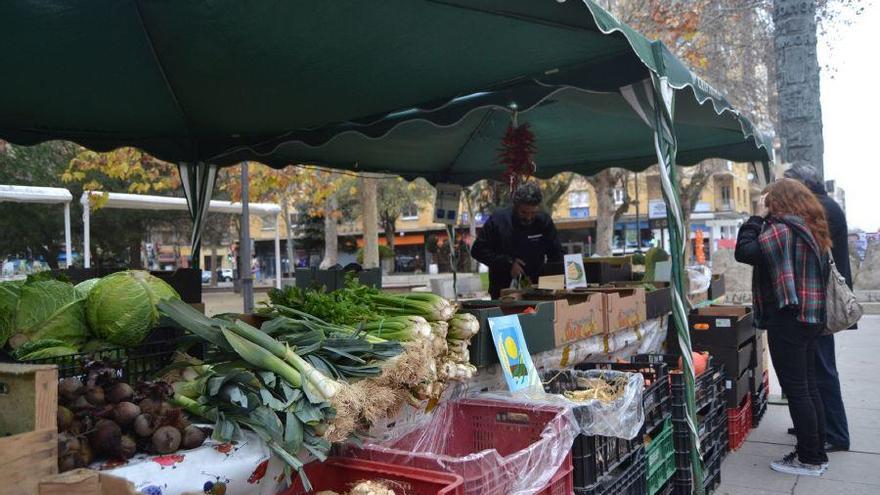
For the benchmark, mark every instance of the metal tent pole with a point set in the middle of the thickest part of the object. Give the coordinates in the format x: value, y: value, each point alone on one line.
x: 68, y: 251
x: 277, y: 254
x: 87, y: 250
x: 244, y: 269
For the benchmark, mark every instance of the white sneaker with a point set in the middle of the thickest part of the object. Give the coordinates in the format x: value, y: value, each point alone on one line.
x: 791, y: 465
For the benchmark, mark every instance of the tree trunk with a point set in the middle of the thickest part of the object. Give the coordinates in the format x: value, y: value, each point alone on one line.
x: 370, y: 220
x: 134, y: 255
x: 331, y: 240
x: 797, y: 82
x: 603, y: 184
x: 215, y: 264
x: 472, y: 228
x: 288, y: 227
x: 388, y: 225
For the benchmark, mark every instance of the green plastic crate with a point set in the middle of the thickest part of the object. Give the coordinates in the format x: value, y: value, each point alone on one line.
x: 660, y: 456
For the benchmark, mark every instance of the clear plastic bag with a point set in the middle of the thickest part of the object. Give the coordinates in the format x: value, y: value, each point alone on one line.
x: 621, y: 417
x: 499, y: 446
x: 699, y: 278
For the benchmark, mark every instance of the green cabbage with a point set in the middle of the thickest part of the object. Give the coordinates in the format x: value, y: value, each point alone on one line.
x: 50, y: 309
x: 42, y: 349
x: 10, y: 293
x: 121, y: 308
x: 84, y: 287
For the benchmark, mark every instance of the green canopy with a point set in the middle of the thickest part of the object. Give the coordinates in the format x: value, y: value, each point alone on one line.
x: 289, y: 82
x: 416, y: 87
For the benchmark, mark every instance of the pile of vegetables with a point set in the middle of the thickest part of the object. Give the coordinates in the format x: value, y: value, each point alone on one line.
x: 364, y: 488
x: 314, y: 375
x: 102, y: 417
x: 418, y: 319
x: 45, y: 318
x: 599, y: 388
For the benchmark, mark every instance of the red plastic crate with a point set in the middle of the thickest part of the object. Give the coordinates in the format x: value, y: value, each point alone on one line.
x: 339, y: 474
x: 739, y: 423
x: 562, y: 482
x: 519, y: 433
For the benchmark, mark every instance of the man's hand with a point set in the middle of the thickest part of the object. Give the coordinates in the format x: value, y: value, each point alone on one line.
x: 518, y: 268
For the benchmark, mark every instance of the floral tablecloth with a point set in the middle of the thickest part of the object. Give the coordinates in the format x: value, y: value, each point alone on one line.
x: 244, y: 467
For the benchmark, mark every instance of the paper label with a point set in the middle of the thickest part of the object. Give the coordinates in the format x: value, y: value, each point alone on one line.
x: 723, y: 323
x: 516, y: 362
x: 575, y: 275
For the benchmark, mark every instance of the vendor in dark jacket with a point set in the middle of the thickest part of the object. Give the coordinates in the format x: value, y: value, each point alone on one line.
x: 836, y: 428
x: 516, y: 242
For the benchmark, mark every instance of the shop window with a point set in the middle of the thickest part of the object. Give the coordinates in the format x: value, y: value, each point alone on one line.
x: 579, y: 199
x: 410, y: 212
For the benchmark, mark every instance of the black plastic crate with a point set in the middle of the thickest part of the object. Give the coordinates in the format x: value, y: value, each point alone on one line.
x: 138, y: 363
x: 592, y: 456
x: 656, y: 398
x: 630, y: 479
x: 708, y: 388
x: 682, y: 479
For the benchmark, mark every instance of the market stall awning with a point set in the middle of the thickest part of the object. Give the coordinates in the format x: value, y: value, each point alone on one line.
x: 293, y: 82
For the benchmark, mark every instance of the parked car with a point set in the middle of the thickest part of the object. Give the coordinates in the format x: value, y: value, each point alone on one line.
x: 206, y: 276
x: 224, y: 274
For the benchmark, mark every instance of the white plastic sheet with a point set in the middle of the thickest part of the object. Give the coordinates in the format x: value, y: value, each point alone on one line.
x: 499, y: 446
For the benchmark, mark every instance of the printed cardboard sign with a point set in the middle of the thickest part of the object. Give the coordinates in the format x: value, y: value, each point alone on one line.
x: 575, y: 275
x: 516, y: 362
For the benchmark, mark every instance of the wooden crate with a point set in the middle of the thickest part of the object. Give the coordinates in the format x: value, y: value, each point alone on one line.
x: 28, y: 434
x: 85, y: 482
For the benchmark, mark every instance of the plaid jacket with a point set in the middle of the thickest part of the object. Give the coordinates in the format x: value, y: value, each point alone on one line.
x: 797, y: 267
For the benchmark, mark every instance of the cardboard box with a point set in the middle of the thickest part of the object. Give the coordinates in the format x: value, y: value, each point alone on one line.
x: 716, y: 287
x: 605, y: 270
x: 85, y: 482
x: 658, y: 302
x: 578, y: 314
x: 28, y: 434
x: 721, y: 326
x: 624, y: 307
x: 555, y: 321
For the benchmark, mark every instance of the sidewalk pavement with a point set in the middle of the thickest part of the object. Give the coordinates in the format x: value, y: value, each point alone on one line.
x: 857, y: 472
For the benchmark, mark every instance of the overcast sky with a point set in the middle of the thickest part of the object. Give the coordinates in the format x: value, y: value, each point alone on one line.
x: 850, y: 113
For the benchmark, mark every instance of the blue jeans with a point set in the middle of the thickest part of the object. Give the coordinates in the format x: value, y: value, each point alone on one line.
x: 828, y: 382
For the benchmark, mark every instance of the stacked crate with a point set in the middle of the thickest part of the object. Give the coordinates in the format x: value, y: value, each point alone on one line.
x: 659, y: 463
x: 711, y: 425
x: 727, y: 334
x: 760, y: 383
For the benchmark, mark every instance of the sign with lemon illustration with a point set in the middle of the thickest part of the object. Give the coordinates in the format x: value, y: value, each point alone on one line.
x: 575, y: 275
x: 516, y: 362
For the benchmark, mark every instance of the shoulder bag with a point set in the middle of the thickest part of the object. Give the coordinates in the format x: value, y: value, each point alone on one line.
x: 842, y: 310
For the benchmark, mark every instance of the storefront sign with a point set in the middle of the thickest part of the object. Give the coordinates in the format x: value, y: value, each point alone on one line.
x: 656, y: 208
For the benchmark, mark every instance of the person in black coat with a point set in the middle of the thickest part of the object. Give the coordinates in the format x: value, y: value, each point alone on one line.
x: 517, y: 242
x: 836, y: 428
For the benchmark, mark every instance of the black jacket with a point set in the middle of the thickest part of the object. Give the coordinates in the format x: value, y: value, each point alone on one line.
x: 502, y: 240
x: 839, y: 234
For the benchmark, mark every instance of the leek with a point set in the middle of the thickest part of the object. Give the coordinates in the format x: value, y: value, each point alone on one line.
x: 325, y: 385
x: 261, y: 358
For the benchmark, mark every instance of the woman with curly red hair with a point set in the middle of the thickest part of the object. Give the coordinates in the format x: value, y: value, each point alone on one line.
x: 787, y: 244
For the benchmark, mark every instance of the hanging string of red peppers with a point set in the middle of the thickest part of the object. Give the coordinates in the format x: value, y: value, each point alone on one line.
x: 517, y: 153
